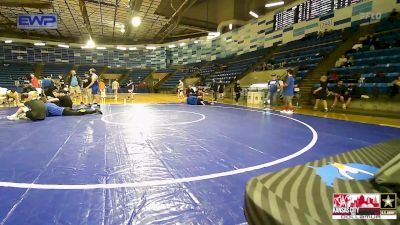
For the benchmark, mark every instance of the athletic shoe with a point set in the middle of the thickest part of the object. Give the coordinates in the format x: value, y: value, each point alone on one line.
x: 289, y: 112
x: 99, y: 111
x: 315, y: 108
x: 13, y: 117
x: 344, y: 107
x: 23, y: 116
x: 365, y: 96
x: 284, y: 111
x: 326, y: 110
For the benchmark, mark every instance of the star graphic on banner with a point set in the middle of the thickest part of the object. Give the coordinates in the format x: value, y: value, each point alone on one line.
x: 388, y: 201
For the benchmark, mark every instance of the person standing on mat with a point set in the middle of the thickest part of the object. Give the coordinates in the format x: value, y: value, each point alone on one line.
x: 288, y: 92
x: 181, y: 88
x: 103, y: 94
x: 237, y: 89
x: 94, y: 86
x: 115, y: 87
x: 273, y: 87
x: 87, y: 93
x: 34, y: 81
x: 339, y: 92
x: 321, y: 93
x: 221, y: 88
x: 131, y: 88
x: 33, y: 109
x: 74, y: 84
x: 214, y: 88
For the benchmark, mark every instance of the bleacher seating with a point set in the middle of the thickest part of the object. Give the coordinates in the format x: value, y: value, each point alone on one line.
x: 137, y: 75
x: 82, y: 69
x: 56, y: 70
x: 174, y: 79
x: 10, y: 72
x: 375, y: 68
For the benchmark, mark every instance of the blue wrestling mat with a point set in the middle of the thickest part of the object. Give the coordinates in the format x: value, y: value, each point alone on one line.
x: 157, y: 164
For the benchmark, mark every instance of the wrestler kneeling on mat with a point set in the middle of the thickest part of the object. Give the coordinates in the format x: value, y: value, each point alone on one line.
x: 197, y: 100
x: 33, y: 108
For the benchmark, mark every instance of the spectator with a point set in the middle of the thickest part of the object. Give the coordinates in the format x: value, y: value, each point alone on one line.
x: 221, y: 88
x: 380, y: 77
x: 393, y: 15
x: 102, y: 88
x: 394, y: 88
x: 34, y: 81
x: 214, y: 88
x: 334, y: 77
x: 341, y: 62
x: 350, y: 61
x: 264, y: 66
x: 353, y: 92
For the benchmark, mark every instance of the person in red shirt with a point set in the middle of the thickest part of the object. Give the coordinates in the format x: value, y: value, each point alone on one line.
x: 34, y: 81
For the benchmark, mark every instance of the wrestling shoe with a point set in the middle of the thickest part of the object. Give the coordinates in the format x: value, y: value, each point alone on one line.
x: 13, y: 117
x: 99, y: 111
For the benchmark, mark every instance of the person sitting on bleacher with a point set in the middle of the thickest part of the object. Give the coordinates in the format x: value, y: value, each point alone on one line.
x: 350, y: 61
x: 341, y: 62
x: 394, y: 88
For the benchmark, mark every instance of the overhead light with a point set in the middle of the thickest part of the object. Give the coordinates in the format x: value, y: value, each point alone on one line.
x: 121, y: 48
x: 132, y: 48
x: 63, y: 46
x: 151, y: 47
x: 274, y: 4
x: 230, y: 26
x: 196, y: 42
x: 171, y: 46
x: 101, y: 48
x: 123, y: 30
x: 39, y: 44
x: 8, y: 41
x: 182, y: 44
x: 90, y: 43
x: 136, y: 21
x: 253, y: 14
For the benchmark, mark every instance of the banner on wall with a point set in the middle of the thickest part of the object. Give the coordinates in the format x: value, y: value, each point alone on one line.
x: 326, y: 25
x: 37, y: 21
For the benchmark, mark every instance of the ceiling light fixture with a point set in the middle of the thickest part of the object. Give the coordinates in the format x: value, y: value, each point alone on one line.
x: 274, y: 4
x: 253, y: 14
x: 121, y: 48
x: 101, y: 48
x: 171, y: 46
x: 90, y: 43
x: 63, y: 46
x: 136, y: 21
x: 8, y: 41
x: 182, y: 44
x: 151, y: 47
x: 39, y: 44
x: 230, y: 26
x: 132, y: 48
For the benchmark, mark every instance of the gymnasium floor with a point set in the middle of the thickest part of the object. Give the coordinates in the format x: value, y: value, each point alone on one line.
x: 155, y: 163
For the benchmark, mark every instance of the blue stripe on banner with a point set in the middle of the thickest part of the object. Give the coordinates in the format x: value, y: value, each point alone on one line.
x: 342, y: 21
x: 325, y: 17
x: 362, y: 8
x: 278, y: 36
x: 261, y: 22
x: 359, y: 22
x: 287, y: 29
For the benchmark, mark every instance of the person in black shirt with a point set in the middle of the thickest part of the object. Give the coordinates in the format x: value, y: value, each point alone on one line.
x: 214, y: 88
x: 33, y: 109
x: 339, y: 91
x: 321, y: 93
x: 237, y: 90
x: 130, y: 88
x: 87, y: 93
x: 61, y: 99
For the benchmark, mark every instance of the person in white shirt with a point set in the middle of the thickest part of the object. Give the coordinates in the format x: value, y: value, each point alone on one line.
x: 115, y: 87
